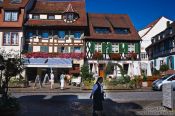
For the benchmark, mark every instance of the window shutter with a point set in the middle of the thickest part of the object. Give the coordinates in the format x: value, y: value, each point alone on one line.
x: 103, y: 47
x: 167, y: 61
x: 172, y: 62
x: 109, y: 47
x: 137, y: 47
x: 92, y: 47
x: 126, y: 48
x: 120, y: 47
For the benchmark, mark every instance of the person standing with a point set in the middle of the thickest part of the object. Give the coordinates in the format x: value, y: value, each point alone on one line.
x: 51, y: 80
x: 46, y: 79
x: 98, y: 97
x: 62, y: 76
x: 37, y: 80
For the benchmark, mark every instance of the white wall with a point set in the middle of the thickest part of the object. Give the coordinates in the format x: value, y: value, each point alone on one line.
x: 159, y: 27
x: 9, y: 48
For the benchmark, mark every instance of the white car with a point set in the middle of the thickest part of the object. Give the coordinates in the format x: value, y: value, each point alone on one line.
x: 157, y: 84
x: 76, y: 81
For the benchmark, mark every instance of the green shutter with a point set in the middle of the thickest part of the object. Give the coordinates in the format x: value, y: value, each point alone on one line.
x: 137, y: 47
x: 120, y: 47
x: 126, y: 48
x: 103, y: 47
x: 109, y: 47
x: 92, y: 47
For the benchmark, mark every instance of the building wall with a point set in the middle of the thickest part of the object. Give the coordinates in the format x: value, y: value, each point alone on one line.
x: 9, y: 48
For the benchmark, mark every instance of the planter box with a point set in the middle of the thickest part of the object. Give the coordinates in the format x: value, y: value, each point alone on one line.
x: 144, y: 84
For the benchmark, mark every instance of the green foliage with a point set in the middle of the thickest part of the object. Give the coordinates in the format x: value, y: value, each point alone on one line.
x: 156, y: 72
x: 85, y: 74
x: 144, y: 78
x: 109, y: 68
x: 164, y: 68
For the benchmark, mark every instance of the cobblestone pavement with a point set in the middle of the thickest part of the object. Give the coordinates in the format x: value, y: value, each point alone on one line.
x: 79, y: 104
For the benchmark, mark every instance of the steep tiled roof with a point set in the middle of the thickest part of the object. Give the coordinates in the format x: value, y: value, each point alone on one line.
x: 6, y: 4
x: 112, y: 21
x: 47, y: 7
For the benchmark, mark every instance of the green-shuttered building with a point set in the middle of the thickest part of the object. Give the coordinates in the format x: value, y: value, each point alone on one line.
x: 111, y: 38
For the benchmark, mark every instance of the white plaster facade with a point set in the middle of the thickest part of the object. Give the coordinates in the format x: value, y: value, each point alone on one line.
x: 9, y: 48
x: 150, y: 31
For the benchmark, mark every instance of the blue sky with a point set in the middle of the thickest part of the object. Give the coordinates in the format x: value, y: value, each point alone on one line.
x: 141, y: 12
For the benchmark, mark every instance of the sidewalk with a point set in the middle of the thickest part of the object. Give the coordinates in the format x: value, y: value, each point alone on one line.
x: 68, y: 89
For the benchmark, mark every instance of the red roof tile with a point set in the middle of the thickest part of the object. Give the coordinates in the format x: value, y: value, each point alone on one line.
x: 9, y: 6
x: 112, y: 21
x: 47, y: 7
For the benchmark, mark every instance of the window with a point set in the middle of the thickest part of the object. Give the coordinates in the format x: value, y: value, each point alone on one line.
x: 115, y: 48
x: 131, y: 47
x: 77, y: 35
x: 77, y: 49
x: 11, y: 16
x: 98, y: 47
x: 10, y: 38
x: 103, y: 30
x: 70, y: 17
x: 1, y: 1
x: 122, y: 30
x: 35, y: 16
x: 15, y: 1
x: 51, y: 17
x: 44, y: 49
x: 45, y: 35
x: 61, y: 34
x: 30, y: 34
x: 62, y: 49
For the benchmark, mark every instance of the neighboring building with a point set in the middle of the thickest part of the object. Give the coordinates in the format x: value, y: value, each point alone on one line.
x: 55, y: 28
x: 112, y: 38
x: 12, y: 13
x: 162, y: 49
x: 148, y: 32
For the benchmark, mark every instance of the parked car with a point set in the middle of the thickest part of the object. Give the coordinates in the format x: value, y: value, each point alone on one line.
x: 157, y: 84
x: 76, y: 81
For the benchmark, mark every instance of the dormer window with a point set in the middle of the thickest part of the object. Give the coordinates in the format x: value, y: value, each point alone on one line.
x: 11, y: 16
x: 69, y: 15
x: 36, y: 16
x: 15, y: 1
x: 102, y: 30
x: 1, y: 1
x: 122, y: 30
x: 51, y: 17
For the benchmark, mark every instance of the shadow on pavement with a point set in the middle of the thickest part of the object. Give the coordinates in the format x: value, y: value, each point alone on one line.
x: 70, y: 105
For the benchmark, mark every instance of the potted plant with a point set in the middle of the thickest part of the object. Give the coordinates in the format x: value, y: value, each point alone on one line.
x: 97, y: 56
x: 115, y: 56
x: 144, y: 82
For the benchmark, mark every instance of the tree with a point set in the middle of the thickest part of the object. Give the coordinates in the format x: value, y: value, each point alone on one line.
x: 109, y: 68
x: 12, y: 67
x: 85, y: 74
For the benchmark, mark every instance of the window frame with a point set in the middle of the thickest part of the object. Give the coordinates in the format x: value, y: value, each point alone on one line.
x: 10, y: 37
x: 121, y: 31
x: 102, y: 30
x: 10, y: 20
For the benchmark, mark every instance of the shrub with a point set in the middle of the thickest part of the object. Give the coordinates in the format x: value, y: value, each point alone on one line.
x: 164, y: 68
x: 85, y: 74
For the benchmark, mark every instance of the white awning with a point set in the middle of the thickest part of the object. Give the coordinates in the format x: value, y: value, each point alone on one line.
x: 48, y: 62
